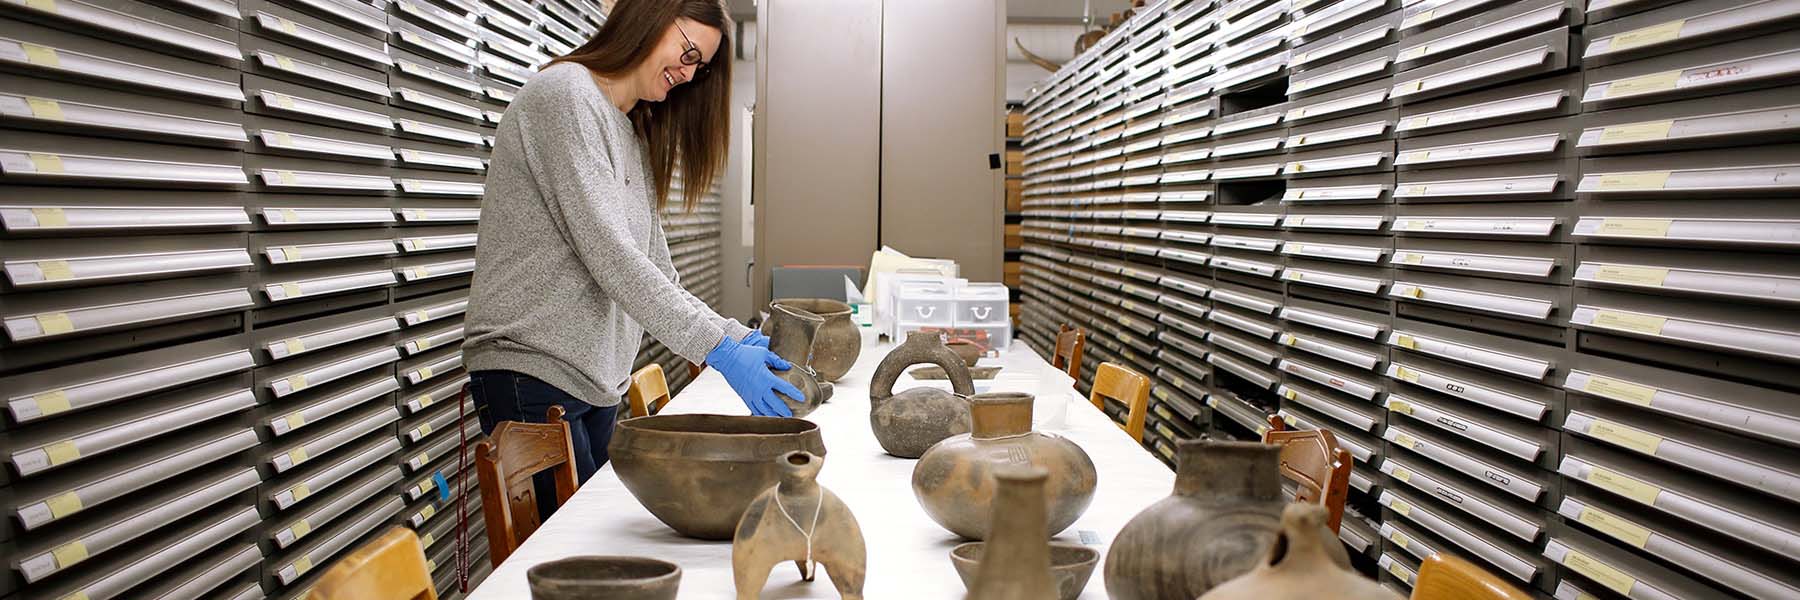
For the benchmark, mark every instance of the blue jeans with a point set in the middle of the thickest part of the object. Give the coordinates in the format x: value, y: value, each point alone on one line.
x: 513, y: 396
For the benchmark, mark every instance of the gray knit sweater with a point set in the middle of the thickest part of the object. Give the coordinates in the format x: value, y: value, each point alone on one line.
x: 573, y: 267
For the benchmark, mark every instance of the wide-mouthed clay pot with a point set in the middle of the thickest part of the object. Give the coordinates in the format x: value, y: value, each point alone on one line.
x: 909, y: 422
x: 1218, y: 524
x: 697, y: 473
x: 1070, y: 565
x: 838, y: 341
x: 801, y: 522
x: 611, y: 577
x: 1306, y: 561
x: 954, y: 480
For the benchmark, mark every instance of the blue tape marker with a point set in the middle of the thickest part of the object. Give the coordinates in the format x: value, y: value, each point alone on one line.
x: 443, y: 485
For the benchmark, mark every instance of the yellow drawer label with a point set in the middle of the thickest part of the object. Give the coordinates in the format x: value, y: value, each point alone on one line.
x: 1636, y: 132
x: 1644, y: 84
x: 55, y: 323
x: 1650, y: 276
x: 1612, y: 525
x: 68, y: 554
x: 52, y: 402
x: 300, y: 528
x: 1623, y: 485
x: 1654, y: 34
x: 62, y: 452
x: 1632, y: 322
x: 1405, y: 440
x: 1400, y: 406
x: 1600, y: 572
x: 1619, y: 390
x: 64, y: 504
x: 50, y: 217
x: 1641, y: 180
x: 1627, y: 437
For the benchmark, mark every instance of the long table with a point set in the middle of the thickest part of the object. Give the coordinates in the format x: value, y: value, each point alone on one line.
x: 908, y: 553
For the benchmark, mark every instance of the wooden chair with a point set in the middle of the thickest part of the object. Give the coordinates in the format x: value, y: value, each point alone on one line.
x: 1313, y: 460
x: 1070, y: 343
x: 1129, y: 388
x: 389, y: 567
x: 1446, y: 577
x: 506, y: 462
x: 649, y: 390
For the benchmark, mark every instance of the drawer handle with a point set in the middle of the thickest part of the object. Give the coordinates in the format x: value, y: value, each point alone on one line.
x: 981, y: 312
x: 925, y: 312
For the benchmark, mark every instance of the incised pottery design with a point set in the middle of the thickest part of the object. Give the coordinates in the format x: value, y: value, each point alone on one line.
x: 798, y: 520
x: 698, y: 473
x: 954, y: 479
x: 792, y: 332
x: 1019, y: 566
x: 1305, y: 562
x: 1218, y: 524
x: 837, y: 344
x: 611, y: 577
x: 936, y: 373
x: 1070, y: 565
x: 909, y: 422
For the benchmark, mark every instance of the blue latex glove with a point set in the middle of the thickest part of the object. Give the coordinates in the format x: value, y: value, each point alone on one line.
x: 755, y: 338
x: 746, y: 369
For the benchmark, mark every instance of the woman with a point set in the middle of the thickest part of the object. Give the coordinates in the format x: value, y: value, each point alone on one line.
x: 573, y: 267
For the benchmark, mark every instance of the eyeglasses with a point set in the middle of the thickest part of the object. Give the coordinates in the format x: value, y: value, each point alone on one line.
x: 690, y: 54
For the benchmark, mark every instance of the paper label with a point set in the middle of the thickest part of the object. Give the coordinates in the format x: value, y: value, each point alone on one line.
x: 292, y: 290
x: 1402, y: 474
x: 69, y: 554
x: 1654, y: 34
x: 1627, y: 437
x: 64, y: 504
x: 282, y: 138
x: 1418, y: 19
x: 284, y: 102
x: 46, y: 163
x: 302, y: 565
x: 1619, y: 390
x: 62, y: 452
x: 291, y: 253
x: 1635, y: 323
x: 46, y: 109
x: 419, y: 316
x: 1644, y: 180
x: 1406, y: 374
x: 298, y: 455
x: 288, y: 215
x: 55, y: 323
x: 52, y: 402
x: 55, y: 270
x: 1601, y: 573
x: 1636, y: 132
x: 296, y: 421
x: 424, y: 429
x: 1406, y: 341
x: 1650, y: 276
x: 422, y: 344
x: 1400, y: 406
x: 1400, y: 539
x: 1289, y: 393
x: 76, y: 595
x: 300, y: 491
x: 1643, y: 84
x: 285, y: 177
x: 301, y: 528
x: 1623, y: 485
x: 426, y: 400
x: 286, y: 26
x: 425, y: 373
x: 426, y: 540
x: 1419, y: 156
x: 286, y: 64
x: 41, y: 56
x: 296, y: 382
x: 428, y: 512
x: 1399, y: 570
x: 294, y: 346
x: 1405, y: 441
x: 1402, y: 507
x: 1614, y: 526
x: 48, y: 6
x: 50, y: 217
x: 1413, y: 258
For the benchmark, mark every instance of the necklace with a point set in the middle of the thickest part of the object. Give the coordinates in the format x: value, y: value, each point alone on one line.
x: 805, y: 532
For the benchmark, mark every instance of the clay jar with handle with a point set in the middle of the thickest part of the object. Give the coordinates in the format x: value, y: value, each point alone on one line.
x: 954, y: 480
x: 911, y: 421
x: 1306, y: 562
x: 1018, y: 568
x: 791, y: 332
x: 798, y: 520
x: 1218, y: 524
x: 838, y: 342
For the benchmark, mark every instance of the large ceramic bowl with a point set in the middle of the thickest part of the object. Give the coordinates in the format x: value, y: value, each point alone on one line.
x: 1070, y: 565
x: 613, y: 577
x: 698, y: 473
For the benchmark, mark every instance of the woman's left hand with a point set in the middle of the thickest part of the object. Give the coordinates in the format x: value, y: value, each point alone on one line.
x: 755, y: 338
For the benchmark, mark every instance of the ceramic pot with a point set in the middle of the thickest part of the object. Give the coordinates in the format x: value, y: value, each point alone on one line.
x: 697, y: 473
x: 954, y: 479
x: 612, y: 577
x: 909, y: 422
x: 968, y: 351
x: 792, y: 332
x: 1305, y: 561
x: 1218, y: 523
x: 1070, y: 565
x: 838, y: 342
x: 1019, y: 566
x: 799, y: 521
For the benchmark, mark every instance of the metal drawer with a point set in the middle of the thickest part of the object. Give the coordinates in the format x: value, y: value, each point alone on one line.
x: 1546, y: 263
x: 1743, y: 329
x: 1662, y: 223
x: 1492, y: 429
x: 1339, y: 103
x: 55, y: 106
x: 91, y: 435
x: 372, y: 389
x: 1683, y: 26
x: 288, y: 63
x: 363, y: 17
x: 419, y: 370
x: 1256, y: 301
x: 1722, y: 565
x: 1342, y: 73
x: 322, y: 513
x: 433, y: 74
x: 1457, y: 532
x: 1733, y: 66
x: 1331, y: 375
x: 1319, y: 22
x: 1756, y: 465
x: 61, y: 314
x: 1347, y: 130
x: 290, y: 101
x: 53, y: 497
x: 1539, y: 98
x: 1331, y: 194
x: 41, y: 158
x: 444, y: 445
x: 1319, y: 276
x: 1421, y: 479
x: 1490, y: 28
x: 64, y: 55
x: 1530, y: 302
x: 46, y: 393
x: 1356, y: 323
x: 437, y: 19
x: 110, y: 577
x: 1320, y: 246
x: 142, y: 25
x: 1752, y: 171
x: 1526, y: 360
x: 61, y: 263
x: 1524, y: 221
x: 293, y: 138
x: 1427, y: 14
x: 1738, y: 408
x: 1349, y: 351
x: 1734, y: 277
x: 1601, y: 566
x: 315, y: 246
x: 1356, y: 415
x: 1519, y: 479
x: 1536, y: 140
x: 1546, y: 52
x: 418, y: 39
x: 321, y: 477
x: 316, y: 35
x: 1530, y: 181
x: 295, y: 452
x: 214, y: 571
x: 440, y: 130
x: 418, y: 429
x: 1362, y: 448
x: 1519, y: 399
x: 304, y: 373
x: 329, y: 543
x: 276, y: 173
x: 1367, y: 157
x: 1735, y: 119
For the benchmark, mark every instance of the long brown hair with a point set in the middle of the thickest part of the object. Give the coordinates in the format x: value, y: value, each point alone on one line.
x: 692, y: 127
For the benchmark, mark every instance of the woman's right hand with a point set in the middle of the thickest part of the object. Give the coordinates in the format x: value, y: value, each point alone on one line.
x: 746, y: 369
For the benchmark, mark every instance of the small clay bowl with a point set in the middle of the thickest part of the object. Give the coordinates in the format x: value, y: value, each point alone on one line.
x: 934, y: 372
x: 611, y: 577
x: 1070, y: 564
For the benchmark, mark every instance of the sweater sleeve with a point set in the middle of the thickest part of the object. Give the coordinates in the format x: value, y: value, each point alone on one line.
x: 568, y: 160
x: 659, y: 253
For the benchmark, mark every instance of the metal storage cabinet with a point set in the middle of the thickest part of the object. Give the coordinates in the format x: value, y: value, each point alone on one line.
x: 1523, y: 258
x: 237, y: 246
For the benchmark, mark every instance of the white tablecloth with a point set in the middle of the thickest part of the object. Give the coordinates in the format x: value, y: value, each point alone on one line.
x: 908, y: 553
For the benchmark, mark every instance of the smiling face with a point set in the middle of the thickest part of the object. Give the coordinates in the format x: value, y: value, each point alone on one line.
x: 663, y: 70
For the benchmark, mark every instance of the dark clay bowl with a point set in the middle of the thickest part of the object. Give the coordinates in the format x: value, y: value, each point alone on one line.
x: 698, y: 473
x: 1070, y: 564
x: 611, y: 577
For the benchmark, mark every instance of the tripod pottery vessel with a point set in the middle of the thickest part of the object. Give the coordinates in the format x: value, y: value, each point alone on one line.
x: 1307, y: 561
x: 612, y: 577
x: 698, y: 473
x: 908, y: 423
x: 1018, y: 568
x: 954, y: 480
x: 838, y: 342
x: 1219, y: 523
x: 798, y: 521
x: 792, y: 332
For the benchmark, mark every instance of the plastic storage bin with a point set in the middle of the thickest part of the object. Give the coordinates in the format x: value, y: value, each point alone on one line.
x: 982, y: 304
x: 924, y: 304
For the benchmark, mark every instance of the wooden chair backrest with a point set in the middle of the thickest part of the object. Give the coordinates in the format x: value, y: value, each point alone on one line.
x: 1127, y: 387
x: 1070, y: 343
x: 506, y: 462
x: 389, y: 567
x: 649, y: 390
x: 1312, y: 459
x: 1446, y: 577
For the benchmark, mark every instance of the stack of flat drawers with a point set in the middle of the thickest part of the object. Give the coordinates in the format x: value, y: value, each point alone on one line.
x: 238, y: 238
x: 1528, y: 261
